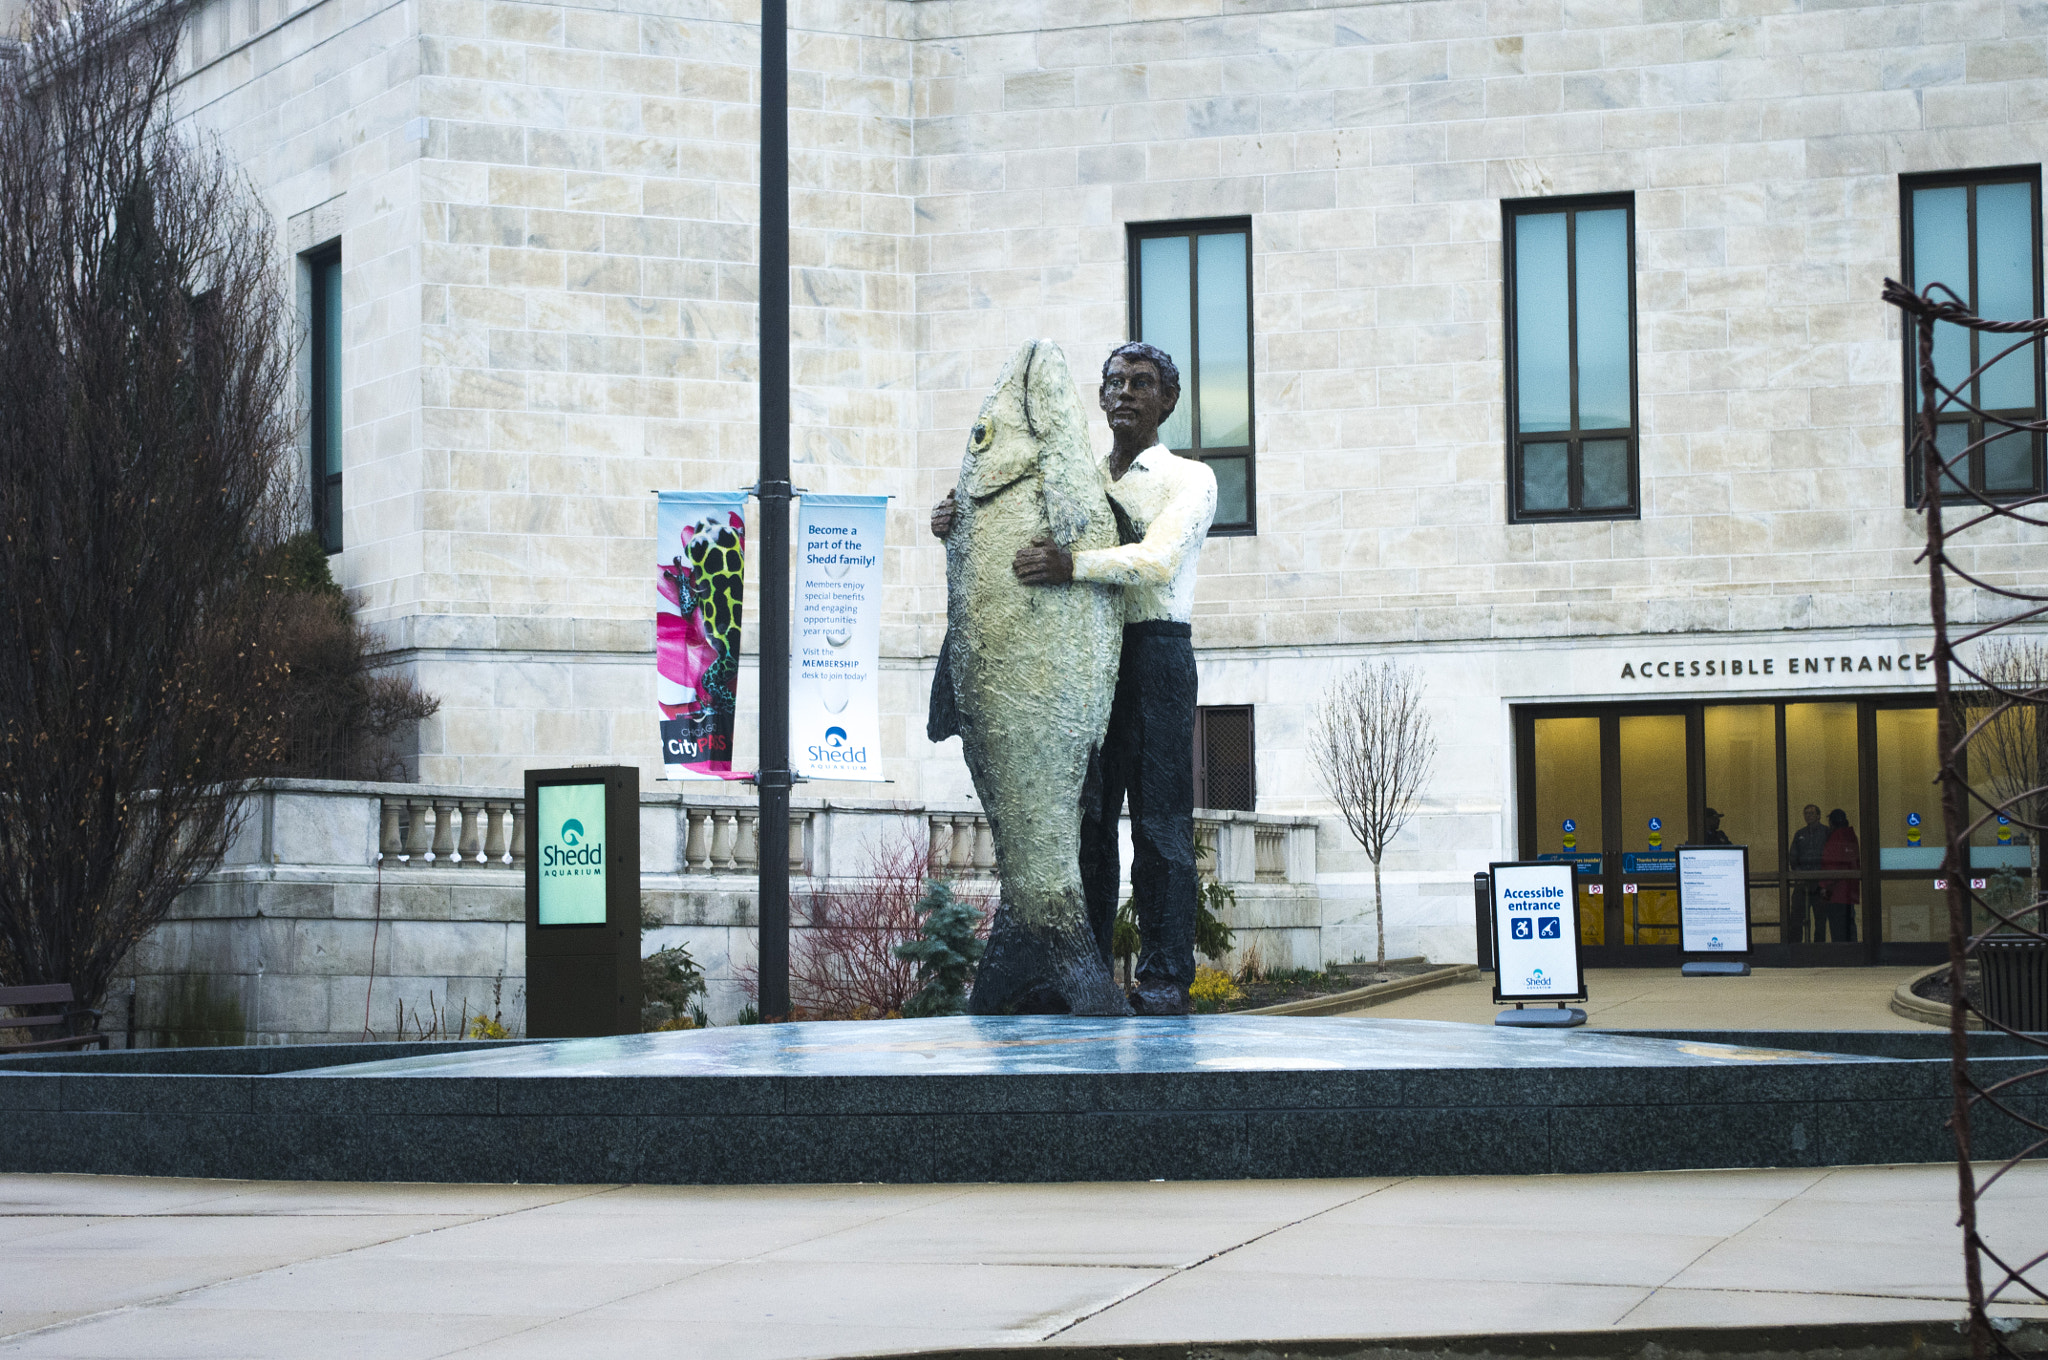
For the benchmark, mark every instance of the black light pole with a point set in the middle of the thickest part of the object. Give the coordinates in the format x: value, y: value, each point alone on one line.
x: 773, y: 781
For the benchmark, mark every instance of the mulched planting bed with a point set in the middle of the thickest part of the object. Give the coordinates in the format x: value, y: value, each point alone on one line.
x: 1302, y: 984
x: 1934, y: 987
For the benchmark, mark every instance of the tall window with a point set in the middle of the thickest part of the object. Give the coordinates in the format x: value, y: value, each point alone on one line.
x: 324, y: 269
x: 1224, y: 766
x: 1979, y: 233
x: 1571, y: 313
x: 1191, y: 295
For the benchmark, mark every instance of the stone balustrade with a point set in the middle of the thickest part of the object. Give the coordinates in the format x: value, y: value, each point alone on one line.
x: 452, y: 829
x: 962, y: 845
x: 341, y: 907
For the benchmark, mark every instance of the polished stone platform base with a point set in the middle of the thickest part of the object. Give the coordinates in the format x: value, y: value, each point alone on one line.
x: 989, y: 1099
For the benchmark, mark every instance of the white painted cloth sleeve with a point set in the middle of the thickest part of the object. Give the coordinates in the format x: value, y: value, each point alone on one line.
x: 1174, y: 534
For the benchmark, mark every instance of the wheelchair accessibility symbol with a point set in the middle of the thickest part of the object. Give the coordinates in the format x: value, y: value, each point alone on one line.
x: 1550, y: 928
x: 1520, y: 929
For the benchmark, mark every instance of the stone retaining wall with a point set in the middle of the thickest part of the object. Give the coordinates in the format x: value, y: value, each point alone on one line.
x: 334, y: 913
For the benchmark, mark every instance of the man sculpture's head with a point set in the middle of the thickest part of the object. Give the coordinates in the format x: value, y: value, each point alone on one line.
x: 1140, y: 388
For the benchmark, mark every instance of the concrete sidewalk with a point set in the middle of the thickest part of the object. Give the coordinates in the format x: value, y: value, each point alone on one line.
x: 1658, y: 998
x: 157, y: 1268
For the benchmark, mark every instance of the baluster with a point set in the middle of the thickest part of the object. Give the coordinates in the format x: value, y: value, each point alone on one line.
x: 472, y: 851
x: 1271, y: 854
x: 746, y: 851
x: 494, y: 834
x: 446, y: 811
x: 416, y: 831
x: 697, y: 844
x: 519, y: 832
x: 799, y: 827
x: 723, y: 840
x: 984, y: 849
x: 940, y: 831
x: 390, y: 843
x: 960, y: 854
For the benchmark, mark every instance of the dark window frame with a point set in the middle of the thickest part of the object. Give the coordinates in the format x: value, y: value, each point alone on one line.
x: 325, y: 486
x: 1915, y: 474
x: 1574, y: 437
x: 1203, y: 714
x: 1190, y: 366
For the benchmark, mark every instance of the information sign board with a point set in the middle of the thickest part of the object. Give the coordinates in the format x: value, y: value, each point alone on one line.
x: 1713, y: 899
x: 1536, y: 933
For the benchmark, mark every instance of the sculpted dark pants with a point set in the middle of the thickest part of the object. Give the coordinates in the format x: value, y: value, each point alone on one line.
x: 1148, y: 755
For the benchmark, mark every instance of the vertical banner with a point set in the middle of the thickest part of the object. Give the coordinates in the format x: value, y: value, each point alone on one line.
x: 836, y: 643
x: 700, y: 566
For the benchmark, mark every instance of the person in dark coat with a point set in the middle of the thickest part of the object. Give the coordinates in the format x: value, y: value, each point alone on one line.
x: 1840, y: 895
x: 1809, y: 842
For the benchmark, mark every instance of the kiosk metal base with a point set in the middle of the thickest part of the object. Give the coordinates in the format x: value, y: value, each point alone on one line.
x: 1713, y: 968
x: 1560, y: 1017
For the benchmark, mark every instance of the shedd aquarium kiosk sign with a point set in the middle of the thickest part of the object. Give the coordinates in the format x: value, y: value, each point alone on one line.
x: 583, y: 901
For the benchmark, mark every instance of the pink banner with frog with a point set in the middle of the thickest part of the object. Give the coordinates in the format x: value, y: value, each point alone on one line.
x: 700, y: 574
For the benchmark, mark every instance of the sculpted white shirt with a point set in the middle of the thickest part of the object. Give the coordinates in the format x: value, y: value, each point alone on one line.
x: 1170, y: 502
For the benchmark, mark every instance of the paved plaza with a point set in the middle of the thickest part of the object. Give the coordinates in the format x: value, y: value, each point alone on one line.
x: 1658, y: 998
x: 104, y: 1267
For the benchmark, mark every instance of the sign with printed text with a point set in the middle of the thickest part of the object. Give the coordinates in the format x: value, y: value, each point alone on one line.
x: 1536, y: 933
x: 570, y: 856
x: 835, y: 649
x: 1713, y: 899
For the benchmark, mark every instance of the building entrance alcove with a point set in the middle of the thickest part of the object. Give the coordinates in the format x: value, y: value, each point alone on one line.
x: 1834, y: 797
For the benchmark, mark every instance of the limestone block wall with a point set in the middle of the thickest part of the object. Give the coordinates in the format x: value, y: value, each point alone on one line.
x: 547, y: 216
x: 1371, y: 146
x: 329, y: 919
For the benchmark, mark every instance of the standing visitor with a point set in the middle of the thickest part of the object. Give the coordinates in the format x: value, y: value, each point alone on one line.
x: 1809, y: 843
x: 1839, y: 895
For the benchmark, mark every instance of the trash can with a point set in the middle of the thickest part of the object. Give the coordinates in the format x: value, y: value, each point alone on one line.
x: 1482, y: 918
x: 2015, y: 973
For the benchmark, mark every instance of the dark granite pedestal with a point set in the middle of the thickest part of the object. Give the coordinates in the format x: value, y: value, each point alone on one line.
x: 991, y: 1099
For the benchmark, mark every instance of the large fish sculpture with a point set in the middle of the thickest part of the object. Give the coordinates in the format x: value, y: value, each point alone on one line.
x: 1026, y: 680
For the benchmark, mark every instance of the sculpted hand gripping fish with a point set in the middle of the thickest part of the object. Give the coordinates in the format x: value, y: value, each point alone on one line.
x: 1032, y: 670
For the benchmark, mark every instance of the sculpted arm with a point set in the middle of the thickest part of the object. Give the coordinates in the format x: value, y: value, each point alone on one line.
x: 1156, y: 559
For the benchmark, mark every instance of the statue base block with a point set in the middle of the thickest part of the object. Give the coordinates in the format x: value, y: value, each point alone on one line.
x: 1007, y: 1098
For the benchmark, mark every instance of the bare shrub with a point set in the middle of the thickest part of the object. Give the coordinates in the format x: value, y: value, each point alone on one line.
x: 845, y: 965
x: 147, y: 442
x: 345, y: 718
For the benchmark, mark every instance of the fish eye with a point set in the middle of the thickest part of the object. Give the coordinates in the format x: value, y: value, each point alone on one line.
x: 979, y: 435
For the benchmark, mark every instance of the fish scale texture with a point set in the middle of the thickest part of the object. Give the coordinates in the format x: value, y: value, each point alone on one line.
x: 1033, y: 671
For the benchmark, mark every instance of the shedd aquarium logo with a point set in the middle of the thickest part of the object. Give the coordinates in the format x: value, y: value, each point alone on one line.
x: 1537, y: 979
x: 837, y: 749
x: 573, y: 854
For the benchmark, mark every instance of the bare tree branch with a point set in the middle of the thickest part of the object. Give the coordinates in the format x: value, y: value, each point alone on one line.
x: 146, y: 446
x: 1374, y: 749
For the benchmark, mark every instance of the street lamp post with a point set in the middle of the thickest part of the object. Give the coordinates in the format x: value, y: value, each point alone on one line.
x: 773, y: 780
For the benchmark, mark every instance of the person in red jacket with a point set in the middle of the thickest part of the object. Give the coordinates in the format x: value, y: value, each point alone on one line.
x: 1839, y: 895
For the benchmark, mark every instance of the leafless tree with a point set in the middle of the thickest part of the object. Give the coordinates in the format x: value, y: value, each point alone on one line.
x: 147, y: 442
x: 2008, y: 755
x: 1374, y: 749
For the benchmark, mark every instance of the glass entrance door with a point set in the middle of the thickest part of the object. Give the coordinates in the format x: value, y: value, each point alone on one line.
x: 1833, y: 797
x: 1656, y: 817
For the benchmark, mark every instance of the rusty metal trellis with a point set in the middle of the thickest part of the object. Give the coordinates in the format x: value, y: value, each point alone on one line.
x: 1991, y: 682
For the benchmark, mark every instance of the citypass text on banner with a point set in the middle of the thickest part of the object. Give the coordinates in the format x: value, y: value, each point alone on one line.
x: 836, y: 643
x: 700, y: 567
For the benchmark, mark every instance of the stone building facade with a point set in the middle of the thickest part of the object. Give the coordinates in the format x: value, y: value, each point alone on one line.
x: 546, y: 221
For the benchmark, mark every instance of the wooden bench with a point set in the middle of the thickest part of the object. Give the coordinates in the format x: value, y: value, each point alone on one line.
x: 48, y: 994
